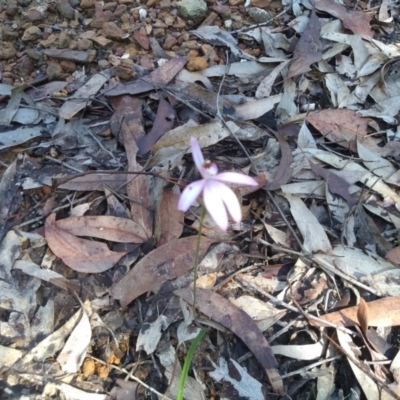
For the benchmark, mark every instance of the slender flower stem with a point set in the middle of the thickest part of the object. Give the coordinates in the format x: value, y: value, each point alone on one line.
x: 196, y: 260
x: 188, y: 361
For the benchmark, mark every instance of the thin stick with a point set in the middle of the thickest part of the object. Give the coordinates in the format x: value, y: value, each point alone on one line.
x: 324, y: 266
x: 296, y: 310
x: 301, y: 370
x: 248, y: 28
x: 196, y: 261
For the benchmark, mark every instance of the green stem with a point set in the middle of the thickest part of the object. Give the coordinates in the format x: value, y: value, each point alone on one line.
x: 196, y: 260
x: 188, y: 361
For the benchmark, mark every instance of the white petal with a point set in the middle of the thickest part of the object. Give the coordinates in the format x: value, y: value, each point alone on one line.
x: 231, y: 202
x: 234, y: 177
x: 190, y: 194
x: 196, y: 153
x: 214, y: 204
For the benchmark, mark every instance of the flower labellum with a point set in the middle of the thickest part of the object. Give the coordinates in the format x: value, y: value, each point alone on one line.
x: 218, y: 198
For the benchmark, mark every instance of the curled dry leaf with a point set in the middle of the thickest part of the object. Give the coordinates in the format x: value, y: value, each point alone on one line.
x: 241, y: 324
x: 362, y: 315
x: 105, y: 227
x: 79, y: 254
x: 382, y: 312
x: 162, y: 264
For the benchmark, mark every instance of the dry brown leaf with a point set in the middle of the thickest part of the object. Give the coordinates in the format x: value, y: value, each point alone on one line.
x: 362, y: 315
x: 284, y: 172
x: 163, y: 123
x: 141, y: 37
x: 157, y: 79
x: 308, y: 49
x: 162, y: 264
x: 82, y: 96
x: 266, y: 85
x: 241, y: 324
x: 394, y: 255
x: 340, y: 125
x: 382, y: 312
x: 128, y: 121
x: 171, y: 219
x: 357, y: 21
x: 336, y: 184
x: 106, y: 227
x: 94, y: 182
x: 79, y: 254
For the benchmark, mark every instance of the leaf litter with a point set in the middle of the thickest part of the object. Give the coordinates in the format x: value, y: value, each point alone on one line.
x: 95, y: 151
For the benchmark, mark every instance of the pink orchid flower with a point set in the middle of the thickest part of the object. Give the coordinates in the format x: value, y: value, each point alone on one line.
x: 218, y: 198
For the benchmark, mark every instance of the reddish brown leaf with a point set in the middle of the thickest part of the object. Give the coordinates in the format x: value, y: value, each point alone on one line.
x: 308, y: 49
x: 357, y: 21
x: 157, y: 79
x: 171, y: 219
x: 382, y: 312
x: 163, y: 123
x: 95, y: 182
x: 284, y: 172
x: 141, y: 37
x: 129, y: 122
x: 340, y: 125
x: 241, y: 324
x: 394, y: 255
x: 162, y: 264
x: 362, y: 316
x: 79, y: 254
x: 106, y: 227
x: 336, y: 184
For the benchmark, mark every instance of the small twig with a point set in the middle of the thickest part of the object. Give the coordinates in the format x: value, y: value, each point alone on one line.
x: 323, y: 266
x: 64, y: 164
x: 196, y: 261
x: 301, y: 370
x: 248, y: 28
x: 278, y: 302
